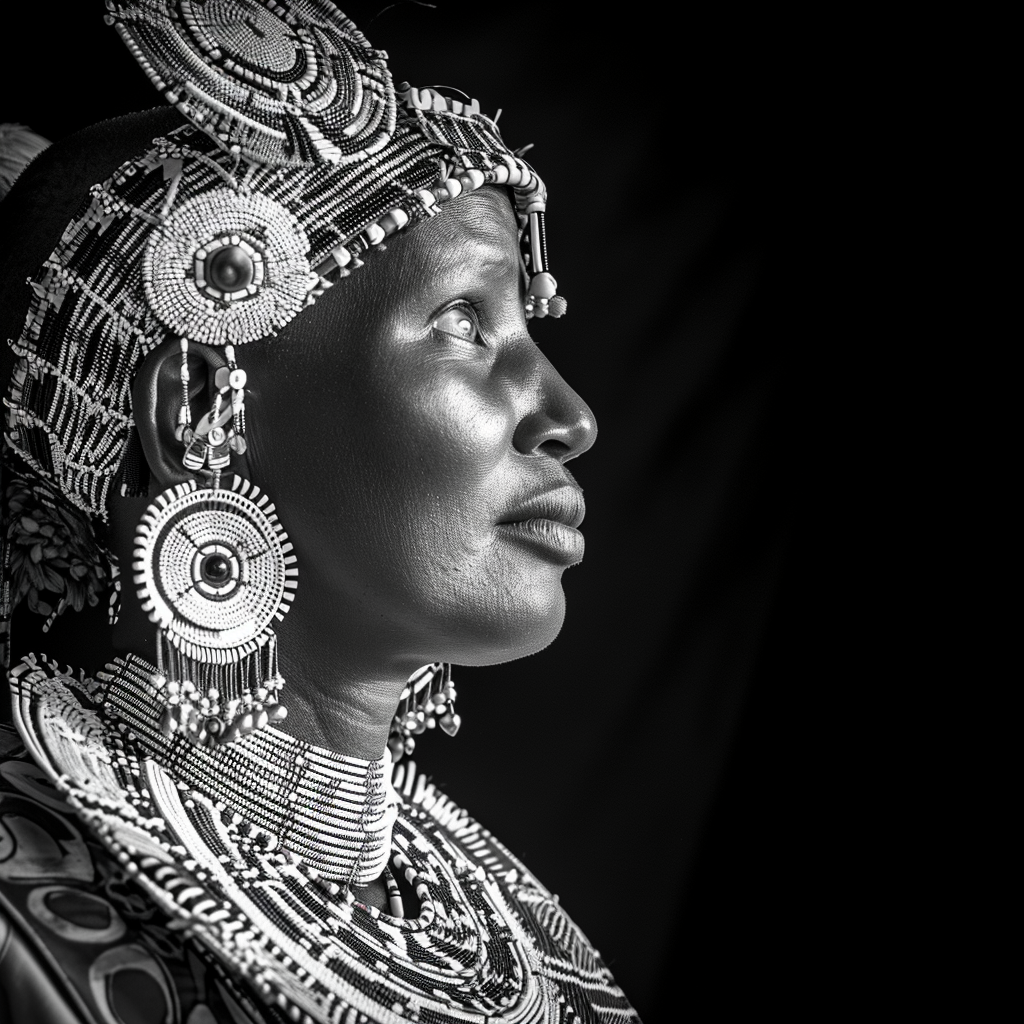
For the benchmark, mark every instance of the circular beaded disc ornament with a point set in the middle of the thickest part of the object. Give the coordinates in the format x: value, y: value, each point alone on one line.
x: 226, y: 268
x: 214, y: 569
x: 282, y: 82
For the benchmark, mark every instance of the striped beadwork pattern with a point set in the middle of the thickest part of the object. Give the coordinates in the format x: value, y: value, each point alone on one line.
x: 278, y: 81
x: 335, y: 812
x: 487, y: 941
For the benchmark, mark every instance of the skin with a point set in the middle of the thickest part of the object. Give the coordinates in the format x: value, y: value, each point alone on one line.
x: 399, y: 424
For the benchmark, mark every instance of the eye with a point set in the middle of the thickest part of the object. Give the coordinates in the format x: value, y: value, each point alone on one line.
x: 460, y: 323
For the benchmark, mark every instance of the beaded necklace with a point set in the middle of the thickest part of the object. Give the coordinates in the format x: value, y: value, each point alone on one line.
x: 209, y: 847
x: 334, y: 812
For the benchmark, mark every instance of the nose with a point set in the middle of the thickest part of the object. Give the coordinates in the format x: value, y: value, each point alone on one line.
x: 557, y: 421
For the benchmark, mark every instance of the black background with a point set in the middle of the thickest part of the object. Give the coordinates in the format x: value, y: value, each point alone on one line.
x: 662, y: 765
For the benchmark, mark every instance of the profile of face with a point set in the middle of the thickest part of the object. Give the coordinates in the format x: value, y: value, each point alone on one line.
x: 414, y: 439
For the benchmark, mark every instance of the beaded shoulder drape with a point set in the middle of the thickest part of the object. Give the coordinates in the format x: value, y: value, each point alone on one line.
x: 254, y: 886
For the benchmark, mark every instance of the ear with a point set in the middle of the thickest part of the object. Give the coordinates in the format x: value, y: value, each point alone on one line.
x: 156, y: 403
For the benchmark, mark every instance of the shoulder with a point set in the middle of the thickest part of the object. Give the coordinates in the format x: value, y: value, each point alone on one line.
x: 78, y: 940
x: 567, y: 958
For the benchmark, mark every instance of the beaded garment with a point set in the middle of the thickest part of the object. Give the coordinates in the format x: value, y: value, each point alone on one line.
x: 489, y: 942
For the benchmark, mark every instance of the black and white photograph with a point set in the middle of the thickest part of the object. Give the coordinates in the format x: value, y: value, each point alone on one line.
x: 408, y: 479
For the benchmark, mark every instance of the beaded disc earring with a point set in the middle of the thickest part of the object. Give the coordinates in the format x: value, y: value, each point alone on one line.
x: 214, y: 570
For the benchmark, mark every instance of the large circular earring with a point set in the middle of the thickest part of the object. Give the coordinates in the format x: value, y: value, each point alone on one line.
x: 214, y: 570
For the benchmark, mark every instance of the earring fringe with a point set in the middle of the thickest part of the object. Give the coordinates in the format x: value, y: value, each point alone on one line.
x: 427, y: 701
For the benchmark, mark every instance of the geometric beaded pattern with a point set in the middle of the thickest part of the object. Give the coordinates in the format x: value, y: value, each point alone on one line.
x: 487, y: 941
x: 278, y: 81
x: 333, y: 811
x: 179, y: 249
x: 214, y: 568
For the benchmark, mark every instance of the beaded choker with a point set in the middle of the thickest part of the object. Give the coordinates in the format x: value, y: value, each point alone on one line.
x: 333, y: 811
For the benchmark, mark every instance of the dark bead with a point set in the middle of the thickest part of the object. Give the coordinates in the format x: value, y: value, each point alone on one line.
x: 229, y: 268
x: 215, y: 570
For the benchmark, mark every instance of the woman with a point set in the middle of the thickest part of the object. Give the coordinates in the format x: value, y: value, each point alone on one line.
x: 314, y: 289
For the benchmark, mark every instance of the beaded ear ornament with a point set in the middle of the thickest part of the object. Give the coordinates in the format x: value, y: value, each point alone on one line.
x: 428, y: 701
x: 214, y: 570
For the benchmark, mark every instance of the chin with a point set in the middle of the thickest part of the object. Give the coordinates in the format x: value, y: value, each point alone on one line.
x: 514, y: 631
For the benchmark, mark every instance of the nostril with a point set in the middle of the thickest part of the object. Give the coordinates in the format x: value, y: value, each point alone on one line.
x: 556, y: 449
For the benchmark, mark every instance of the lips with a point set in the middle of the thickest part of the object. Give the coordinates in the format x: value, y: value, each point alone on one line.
x: 547, y: 524
x: 562, y: 505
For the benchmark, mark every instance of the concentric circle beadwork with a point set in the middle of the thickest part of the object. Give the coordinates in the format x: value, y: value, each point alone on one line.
x: 224, y: 840
x: 214, y: 569
x: 185, y: 260
x: 281, y: 82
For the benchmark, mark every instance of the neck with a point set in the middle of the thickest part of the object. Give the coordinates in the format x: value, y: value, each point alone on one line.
x: 343, y: 701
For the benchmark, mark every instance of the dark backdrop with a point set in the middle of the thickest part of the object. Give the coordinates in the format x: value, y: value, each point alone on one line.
x: 655, y: 766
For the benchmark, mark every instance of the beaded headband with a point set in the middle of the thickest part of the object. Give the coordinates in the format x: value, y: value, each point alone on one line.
x: 299, y: 156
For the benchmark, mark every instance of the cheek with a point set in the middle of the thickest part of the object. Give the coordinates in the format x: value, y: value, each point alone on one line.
x: 459, y: 431
x: 406, y: 467
x: 448, y: 463
x: 391, y: 488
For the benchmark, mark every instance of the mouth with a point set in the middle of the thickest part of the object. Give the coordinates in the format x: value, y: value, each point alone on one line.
x: 549, y: 524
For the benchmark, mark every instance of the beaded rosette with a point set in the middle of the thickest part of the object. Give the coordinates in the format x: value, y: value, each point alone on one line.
x: 252, y: 868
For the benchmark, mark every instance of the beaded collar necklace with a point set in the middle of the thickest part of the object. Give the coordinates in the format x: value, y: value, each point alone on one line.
x: 488, y: 942
x: 334, y: 812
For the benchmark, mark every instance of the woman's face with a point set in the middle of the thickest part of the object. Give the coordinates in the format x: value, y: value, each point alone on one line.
x: 414, y: 440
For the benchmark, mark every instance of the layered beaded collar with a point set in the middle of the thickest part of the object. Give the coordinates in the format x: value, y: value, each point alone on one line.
x: 334, y: 812
x: 488, y: 942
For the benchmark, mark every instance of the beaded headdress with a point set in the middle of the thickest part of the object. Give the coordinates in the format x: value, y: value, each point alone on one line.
x: 298, y: 156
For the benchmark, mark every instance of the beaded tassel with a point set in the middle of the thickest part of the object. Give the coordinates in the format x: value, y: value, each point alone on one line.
x: 211, y: 703
x: 427, y: 701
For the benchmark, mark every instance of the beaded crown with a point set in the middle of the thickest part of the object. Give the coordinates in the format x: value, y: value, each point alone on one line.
x: 298, y: 155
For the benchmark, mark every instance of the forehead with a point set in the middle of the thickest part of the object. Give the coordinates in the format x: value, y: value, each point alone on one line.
x: 470, y: 249
x: 478, y: 229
